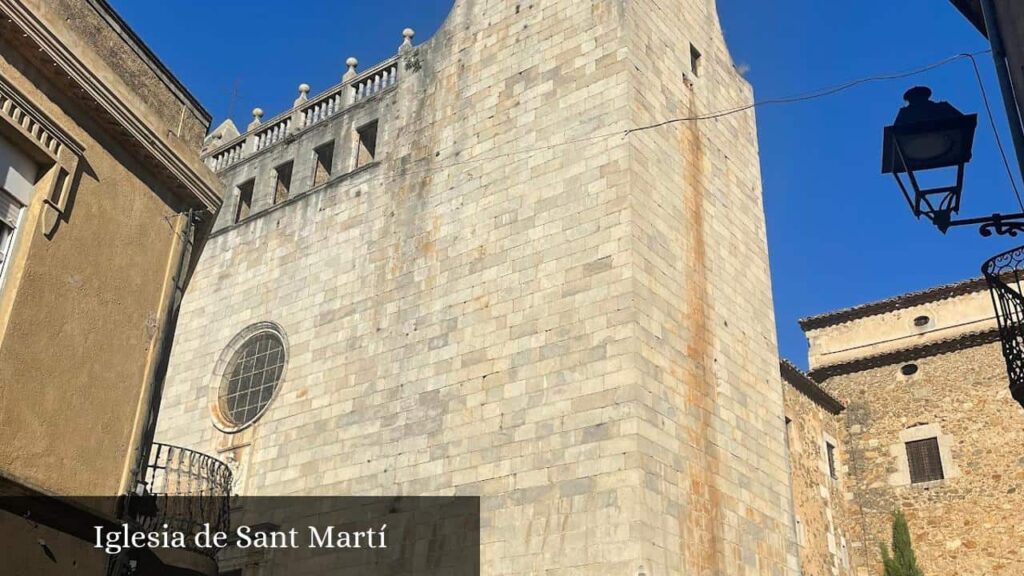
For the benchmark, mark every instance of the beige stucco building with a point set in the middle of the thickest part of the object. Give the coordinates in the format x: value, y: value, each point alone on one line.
x: 477, y: 268
x: 929, y: 428
x: 101, y: 188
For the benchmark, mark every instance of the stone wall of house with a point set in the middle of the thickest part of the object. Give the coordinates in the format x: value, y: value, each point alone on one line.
x: 971, y: 522
x: 901, y: 327
x: 517, y: 299
x: 819, y: 499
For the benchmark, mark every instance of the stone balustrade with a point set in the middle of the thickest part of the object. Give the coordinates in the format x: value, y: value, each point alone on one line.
x: 375, y: 82
x: 226, y: 156
x: 271, y: 134
x: 355, y: 87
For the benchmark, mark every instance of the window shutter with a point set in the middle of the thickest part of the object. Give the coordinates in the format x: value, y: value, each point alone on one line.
x: 9, y: 210
x: 925, y: 460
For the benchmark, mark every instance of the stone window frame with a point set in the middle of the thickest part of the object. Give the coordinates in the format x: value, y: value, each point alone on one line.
x: 828, y: 440
x: 223, y: 364
x: 283, y: 176
x: 901, y: 477
x: 244, y: 190
x: 696, y: 61
x: 927, y: 312
x: 368, y: 129
x: 318, y: 155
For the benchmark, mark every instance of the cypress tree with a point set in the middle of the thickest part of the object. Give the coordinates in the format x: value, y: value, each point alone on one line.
x: 901, y: 562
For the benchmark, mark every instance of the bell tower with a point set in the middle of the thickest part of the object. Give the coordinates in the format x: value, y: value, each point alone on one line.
x: 547, y: 285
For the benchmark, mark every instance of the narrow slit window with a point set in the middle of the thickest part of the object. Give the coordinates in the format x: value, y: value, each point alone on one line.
x: 695, y: 61
x: 367, y: 144
x: 830, y: 452
x: 283, y: 182
x: 244, y: 200
x: 323, y: 157
x: 925, y: 460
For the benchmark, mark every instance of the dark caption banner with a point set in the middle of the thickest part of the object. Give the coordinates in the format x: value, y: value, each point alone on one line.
x: 165, y: 536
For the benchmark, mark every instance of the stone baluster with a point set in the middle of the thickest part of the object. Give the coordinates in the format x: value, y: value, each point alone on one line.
x: 298, y: 119
x: 350, y: 93
x: 257, y: 113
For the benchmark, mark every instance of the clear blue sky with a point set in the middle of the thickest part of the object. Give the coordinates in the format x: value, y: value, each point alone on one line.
x: 838, y: 231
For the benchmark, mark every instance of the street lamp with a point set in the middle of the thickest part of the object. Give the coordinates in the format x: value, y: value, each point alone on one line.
x: 928, y: 136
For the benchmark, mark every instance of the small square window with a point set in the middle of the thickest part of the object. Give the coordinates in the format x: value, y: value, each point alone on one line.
x: 244, y: 200
x: 925, y: 460
x: 367, y: 144
x: 830, y: 452
x: 283, y: 182
x: 695, y: 61
x: 323, y: 159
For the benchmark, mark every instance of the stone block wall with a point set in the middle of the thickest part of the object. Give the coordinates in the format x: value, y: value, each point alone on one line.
x: 969, y: 523
x: 820, y: 502
x: 518, y: 300
x: 706, y: 343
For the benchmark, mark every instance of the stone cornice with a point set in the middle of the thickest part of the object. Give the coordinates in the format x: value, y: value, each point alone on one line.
x: 192, y: 178
x: 103, y: 8
x: 908, y: 354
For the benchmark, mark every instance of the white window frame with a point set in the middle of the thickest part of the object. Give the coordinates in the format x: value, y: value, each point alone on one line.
x: 19, y: 173
x: 7, y: 251
x: 828, y: 440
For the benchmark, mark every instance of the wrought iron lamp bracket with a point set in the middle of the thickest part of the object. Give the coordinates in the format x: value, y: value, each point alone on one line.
x: 999, y: 224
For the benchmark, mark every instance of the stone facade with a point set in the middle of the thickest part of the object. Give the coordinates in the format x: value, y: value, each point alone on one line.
x: 507, y: 294
x: 814, y: 428
x: 919, y: 367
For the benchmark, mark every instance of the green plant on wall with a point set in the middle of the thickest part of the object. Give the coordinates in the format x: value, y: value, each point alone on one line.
x: 901, y: 561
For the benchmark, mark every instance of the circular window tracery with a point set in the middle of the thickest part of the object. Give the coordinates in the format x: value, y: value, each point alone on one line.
x: 251, y: 378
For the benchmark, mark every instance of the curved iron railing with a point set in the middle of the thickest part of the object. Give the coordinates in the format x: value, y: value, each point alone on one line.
x: 1004, y: 274
x: 185, y: 490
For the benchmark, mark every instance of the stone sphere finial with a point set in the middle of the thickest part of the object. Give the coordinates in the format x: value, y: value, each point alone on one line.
x: 351, y: 62
x: 408, y: 33
x: 257, y: 113
x: 303, y: 91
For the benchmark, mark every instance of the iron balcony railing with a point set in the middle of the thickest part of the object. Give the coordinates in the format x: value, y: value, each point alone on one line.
x: 1004, y: 273
x: 185, y: 490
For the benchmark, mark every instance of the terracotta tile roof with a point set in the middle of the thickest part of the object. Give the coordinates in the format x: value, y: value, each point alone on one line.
x: 808, y: 387
x: 900, y: 302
